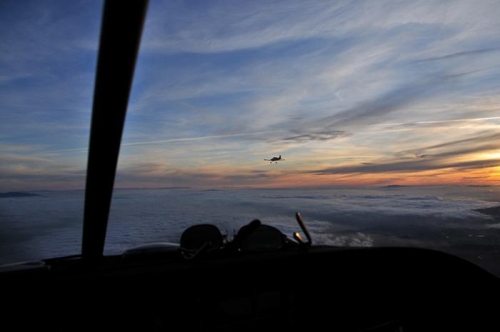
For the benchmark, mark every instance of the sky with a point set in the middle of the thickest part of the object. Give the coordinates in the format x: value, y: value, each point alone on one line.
x: 347, y: 92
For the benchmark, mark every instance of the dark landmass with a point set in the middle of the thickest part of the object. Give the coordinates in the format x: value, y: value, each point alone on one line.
x: 159, y: 188
x: 394, y: 186
x: 479, y: 186
x: 11, y: 194
x: 491, y: 211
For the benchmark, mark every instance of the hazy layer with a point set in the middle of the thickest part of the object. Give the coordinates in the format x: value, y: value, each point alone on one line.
x: 442, y: 218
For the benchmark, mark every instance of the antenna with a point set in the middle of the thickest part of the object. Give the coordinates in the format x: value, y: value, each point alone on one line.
x: 297, y: 236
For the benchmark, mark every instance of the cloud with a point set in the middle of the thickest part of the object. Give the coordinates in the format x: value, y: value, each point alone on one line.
x: 487, y: 123
x: 159, y: 175
x: 227, y: 28
x: 318, y: 136
x: 352, y: 240
x: 429, y: 217
x: 40, y: 39
x: 470, y: 147
x: 464, y: 147
x: 410, y: 166
x: 462, y: 54
x: 479, y: 138
x: 39, y: 172
x: 397, y: 99
x: 494, y: 226
x: 460, y: 154
x: 187, y: 139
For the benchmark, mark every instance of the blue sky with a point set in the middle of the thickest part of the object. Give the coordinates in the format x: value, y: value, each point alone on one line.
x: 348, y: 92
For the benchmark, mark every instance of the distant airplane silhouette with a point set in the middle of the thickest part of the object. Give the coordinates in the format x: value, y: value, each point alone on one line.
x: 275, y: 159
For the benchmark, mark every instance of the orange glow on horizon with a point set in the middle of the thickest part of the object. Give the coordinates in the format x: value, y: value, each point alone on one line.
x: 288, y: 179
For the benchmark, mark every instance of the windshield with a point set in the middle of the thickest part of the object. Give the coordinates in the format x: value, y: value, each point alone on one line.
x: 47, y: 69
x: 377, y: 120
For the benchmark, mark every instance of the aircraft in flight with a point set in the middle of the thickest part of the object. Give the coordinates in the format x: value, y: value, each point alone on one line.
x: 275, y: 159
